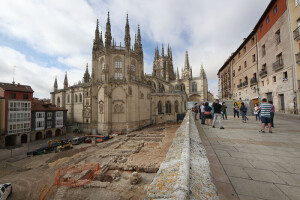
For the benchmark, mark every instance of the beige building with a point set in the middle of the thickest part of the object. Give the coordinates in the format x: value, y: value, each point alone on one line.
x: 294, y: 18
x: 264, y: 65
x: 275, y: 57
x: 244, y: 70
x: 119, y: 96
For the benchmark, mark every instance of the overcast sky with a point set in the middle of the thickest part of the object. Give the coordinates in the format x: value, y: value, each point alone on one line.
x: 46, y: 38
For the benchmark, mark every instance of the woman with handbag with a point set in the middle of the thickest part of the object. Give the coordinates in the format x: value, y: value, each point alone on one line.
x: 207, y: 113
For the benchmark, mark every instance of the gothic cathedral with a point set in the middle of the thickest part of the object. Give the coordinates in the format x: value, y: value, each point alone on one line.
x: 119, y: 96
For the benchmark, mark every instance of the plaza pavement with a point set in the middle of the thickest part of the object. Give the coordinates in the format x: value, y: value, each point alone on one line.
x: 249, y: 165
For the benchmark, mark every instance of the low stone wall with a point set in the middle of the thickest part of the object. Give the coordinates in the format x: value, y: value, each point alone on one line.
x: 185, y: 172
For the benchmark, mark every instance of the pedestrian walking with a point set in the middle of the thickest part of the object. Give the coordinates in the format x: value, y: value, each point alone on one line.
x: 272, y: 111
x: 236, y: 110
x: 207, y: 113
x: 243, y: 110
x: 195, y: 110
x: 217, y: 114
x: 265, y: 110
x: 224, y: 110
x: 199, y: 110
x: 202, y: 110
x: 256, y: 112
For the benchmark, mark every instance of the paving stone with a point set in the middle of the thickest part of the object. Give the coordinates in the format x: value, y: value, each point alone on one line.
x: 291, y: 179
x: 259, y: 164
x: 257, y: 189
x: 218, y: 173
x: 291, y: 191
x: 248, y: 156
x: 225, y: 191
x: 235, y: 161
x: 222, y: 153
x: 263, y: 175
x: 235, y: 171
x: 223, y: 147
x: 243, y: 197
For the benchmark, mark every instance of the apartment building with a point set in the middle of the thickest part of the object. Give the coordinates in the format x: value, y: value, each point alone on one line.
x: 225, y: 78
x: 275, y: 64
x: 267, y: 63
x: 47, y: 120
x: 294, y: 18
x: 18, y: 100
x: 244, y: 70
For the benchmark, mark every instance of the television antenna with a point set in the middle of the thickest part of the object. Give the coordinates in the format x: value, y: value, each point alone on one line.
x: 14, y: 69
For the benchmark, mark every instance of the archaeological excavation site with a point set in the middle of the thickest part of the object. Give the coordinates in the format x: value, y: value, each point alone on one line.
x: 159, y: 161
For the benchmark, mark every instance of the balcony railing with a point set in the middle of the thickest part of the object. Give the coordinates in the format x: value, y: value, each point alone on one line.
x: 253, y: 81
x: 297, y: 33
x: 245, y: 83
x: 298, y: 58
x: 263, y: 73
x: 278, y: 65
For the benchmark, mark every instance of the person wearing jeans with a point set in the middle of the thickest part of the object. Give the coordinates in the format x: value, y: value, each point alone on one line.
x: 217, y: 114
x: 243, y: 110
x: 272, y: 112
x: 256, y: 112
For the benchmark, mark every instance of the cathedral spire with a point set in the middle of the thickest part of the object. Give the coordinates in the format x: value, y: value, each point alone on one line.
x: 171, y: 53
x: 55, y: 84
x: 139, y: 39
x: 168, y: 50
x: 177, y: 74
x: 186, y: 61
x: 202, y: 72
x: 162, y: 50
x: 86, y: 76
x: 66, y: 81
x: 127, y: 34
x: 108, y: 33
x: 101, y: 41
x: 96, y: 40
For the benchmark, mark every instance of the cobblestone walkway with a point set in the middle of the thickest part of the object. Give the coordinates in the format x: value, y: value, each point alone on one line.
x: 249, y: 165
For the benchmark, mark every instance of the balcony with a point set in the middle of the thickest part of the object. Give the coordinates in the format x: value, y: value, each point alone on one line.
x: 239, y: 86
x: 245, y: 83
x: 253, y: 81
x: 298, y: 58
x: 263, y: 73
x: 278, y: 65
x: 297, y: 33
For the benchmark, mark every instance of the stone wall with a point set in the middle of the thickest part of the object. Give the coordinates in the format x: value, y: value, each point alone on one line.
x: 185, y: 172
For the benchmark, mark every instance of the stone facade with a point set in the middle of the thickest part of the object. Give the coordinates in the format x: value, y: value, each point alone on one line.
x: 275, y: 64
x: 263, y: 66
x: 294, y: 15
x: 119, y: 96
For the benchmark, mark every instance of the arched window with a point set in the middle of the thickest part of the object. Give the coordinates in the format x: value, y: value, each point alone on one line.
x: 168, y: 107
x: 76, y: 98
x: 68, y: 98
x: 182, y: 87
x: 194, y: 87
x: 132, y: 67
x: 159, y: 107
x: 58, y: 102
x: 118, y: 64
x: 149, y: 83
x: 80, y: 97
x: 103, y: 65
x: 118, y: 75
x: 176, y: 106
x: 177, y: 87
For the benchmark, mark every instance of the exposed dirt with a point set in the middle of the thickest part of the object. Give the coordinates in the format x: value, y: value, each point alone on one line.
x: 140, y: 151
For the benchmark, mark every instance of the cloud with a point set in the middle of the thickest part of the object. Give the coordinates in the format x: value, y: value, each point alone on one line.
x: 40, y: 78
x: 64, y: 30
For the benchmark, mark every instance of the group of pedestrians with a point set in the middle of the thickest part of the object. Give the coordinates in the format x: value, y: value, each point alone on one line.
x: 210, y: 114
